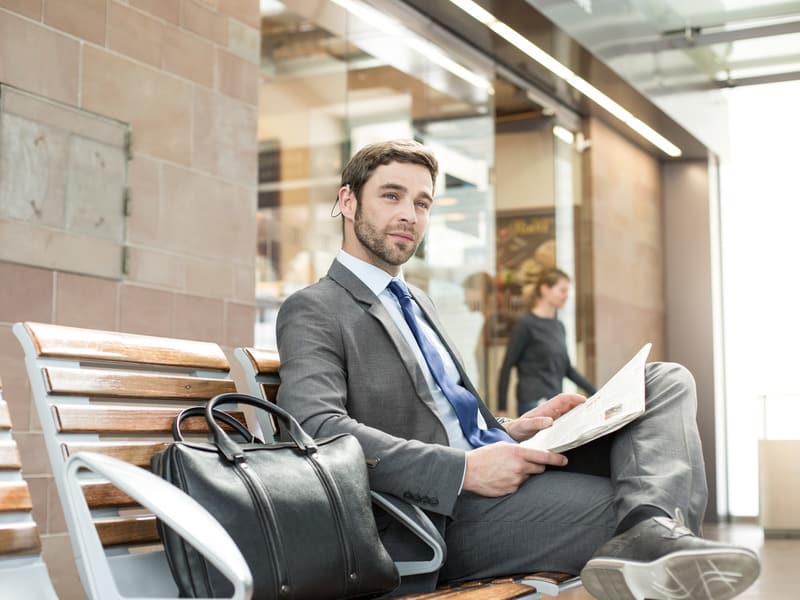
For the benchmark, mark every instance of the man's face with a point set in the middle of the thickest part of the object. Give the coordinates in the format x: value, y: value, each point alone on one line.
x: 391, y: 216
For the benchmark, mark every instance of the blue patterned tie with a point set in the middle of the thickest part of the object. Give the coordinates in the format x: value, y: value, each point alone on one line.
x: 463, y: 401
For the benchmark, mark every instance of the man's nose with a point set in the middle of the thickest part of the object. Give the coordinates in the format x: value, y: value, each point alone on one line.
x: 408, y: 213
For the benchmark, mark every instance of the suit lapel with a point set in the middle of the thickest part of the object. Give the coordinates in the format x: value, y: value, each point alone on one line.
x: 430, y: 313
x: 363, y: 295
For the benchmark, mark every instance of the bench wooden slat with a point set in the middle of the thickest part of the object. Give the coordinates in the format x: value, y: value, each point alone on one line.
x: 19, y: 538
x: 59, y: 341
x: 106, y: 495
x: 9, y: 456
x: 127, y: 531
x: 131, y: 384
x: 137, y: 453
x: 477, y: 591
x: 549, y: 577
x: 15, y: 496
x: 77, y: 418
x: 263, y: 361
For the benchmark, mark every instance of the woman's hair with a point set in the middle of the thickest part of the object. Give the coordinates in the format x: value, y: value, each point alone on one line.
x: 547, y: 278
x: 367, y: 159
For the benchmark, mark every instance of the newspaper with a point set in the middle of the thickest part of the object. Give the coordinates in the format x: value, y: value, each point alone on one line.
x: 617, y: 403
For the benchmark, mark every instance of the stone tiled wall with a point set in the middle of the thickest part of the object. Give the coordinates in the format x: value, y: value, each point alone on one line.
x: 623, y: 252
x: 184, y: 75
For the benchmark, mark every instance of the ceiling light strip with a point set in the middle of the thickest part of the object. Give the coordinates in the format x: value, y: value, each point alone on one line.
x: 560, y: 70
x: 425, y: 48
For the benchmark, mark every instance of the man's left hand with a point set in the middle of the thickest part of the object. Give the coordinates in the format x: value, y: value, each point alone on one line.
x: 542, y: 416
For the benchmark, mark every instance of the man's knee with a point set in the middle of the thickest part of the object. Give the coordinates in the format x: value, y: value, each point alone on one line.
x: 671, y: 378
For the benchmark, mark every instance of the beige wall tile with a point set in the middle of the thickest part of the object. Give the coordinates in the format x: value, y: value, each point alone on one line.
x: 38, y: 487
x: 199, y: 318
x: 57, y: 553
x: 189, y: 56
x: 135, y: 34
x: 146, y: 311
x: 209, y: 278
x: 28, y: 8
x: 246, y: 11
x: 30, y: 295
x: 204, y: 21
x: 144, y: 177
x: 56, y: 523
x: 239, y: 324
x: 237, y: 77
x: 244, y: 41
x: 244, y: 287
x: 225, y: 136
x: 49, y: 248
x: 27, y: 43
x: 32, y: 451
x: 169, y: 10
x: 220, y: 215
x: 157, y: 105
x: 83, y: 301
x: 85, y: 19
x: 16, y: 388
x: 154, y: 267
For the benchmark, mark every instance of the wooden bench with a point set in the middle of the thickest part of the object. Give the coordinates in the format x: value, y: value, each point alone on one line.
x: 106, y: 402
x: 23, y: 573
x: 262, y: 374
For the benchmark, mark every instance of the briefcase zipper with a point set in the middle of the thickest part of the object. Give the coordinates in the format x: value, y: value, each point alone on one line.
x: 333, y: 495
x: 266, y: 514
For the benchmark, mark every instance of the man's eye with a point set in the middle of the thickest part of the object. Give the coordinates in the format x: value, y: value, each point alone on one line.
x: 423, y: 205
x: 391, y: 196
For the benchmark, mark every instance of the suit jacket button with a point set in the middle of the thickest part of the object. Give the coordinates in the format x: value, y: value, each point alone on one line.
x: 408, y: 495
x: 434, y: 501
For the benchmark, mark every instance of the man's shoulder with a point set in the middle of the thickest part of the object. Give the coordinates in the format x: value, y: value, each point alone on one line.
x: 323, y: 289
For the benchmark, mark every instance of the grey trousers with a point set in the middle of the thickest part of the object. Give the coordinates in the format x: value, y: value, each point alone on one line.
x: 556, y: 520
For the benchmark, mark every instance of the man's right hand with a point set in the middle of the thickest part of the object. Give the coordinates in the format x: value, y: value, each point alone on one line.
x: 499, y: 469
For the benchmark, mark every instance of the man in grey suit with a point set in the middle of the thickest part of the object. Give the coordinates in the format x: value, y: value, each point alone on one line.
x: 358, y: 355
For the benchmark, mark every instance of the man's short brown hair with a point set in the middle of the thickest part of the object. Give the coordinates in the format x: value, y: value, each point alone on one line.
x: 359, y: 168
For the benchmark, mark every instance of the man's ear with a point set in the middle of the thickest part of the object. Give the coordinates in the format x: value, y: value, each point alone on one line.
x: 347, y: 202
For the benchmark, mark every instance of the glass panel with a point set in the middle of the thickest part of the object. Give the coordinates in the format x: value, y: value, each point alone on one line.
x: 332, y: 81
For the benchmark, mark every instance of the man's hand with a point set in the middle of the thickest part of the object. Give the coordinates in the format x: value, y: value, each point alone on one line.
x: 499, y: 469
x: 542, y: 416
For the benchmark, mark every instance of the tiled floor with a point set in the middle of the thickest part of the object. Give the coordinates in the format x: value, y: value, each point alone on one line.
x: 780, y: 562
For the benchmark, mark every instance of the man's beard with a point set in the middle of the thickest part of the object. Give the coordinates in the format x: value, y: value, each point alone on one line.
x: 380, y: 245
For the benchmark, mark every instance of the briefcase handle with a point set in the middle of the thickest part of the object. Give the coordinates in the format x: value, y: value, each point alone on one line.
x: 219, y: 415
x: 230, y: 449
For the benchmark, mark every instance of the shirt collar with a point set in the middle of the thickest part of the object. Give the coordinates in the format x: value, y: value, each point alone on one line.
x: 374, y: 278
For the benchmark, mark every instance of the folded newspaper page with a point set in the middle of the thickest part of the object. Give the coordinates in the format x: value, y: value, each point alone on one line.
x: 617, y: 403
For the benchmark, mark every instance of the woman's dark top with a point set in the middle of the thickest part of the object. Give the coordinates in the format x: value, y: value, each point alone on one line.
x: 538, y: 349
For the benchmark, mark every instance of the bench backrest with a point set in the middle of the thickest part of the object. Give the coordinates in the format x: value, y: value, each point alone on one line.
x: 117, y: 394
x: 22, y: 571
x: 262, y: 380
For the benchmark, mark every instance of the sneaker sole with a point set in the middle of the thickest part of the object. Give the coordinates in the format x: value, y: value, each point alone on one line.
x: 683, y: 575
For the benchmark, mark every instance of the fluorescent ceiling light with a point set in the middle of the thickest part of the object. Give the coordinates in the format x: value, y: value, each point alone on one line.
x: 422, y: 46
x: 560, y: 70
x: 564, y: 134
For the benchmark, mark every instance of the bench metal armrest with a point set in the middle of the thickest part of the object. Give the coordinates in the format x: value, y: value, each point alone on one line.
x: 175, y: 508
x: 413, y: 518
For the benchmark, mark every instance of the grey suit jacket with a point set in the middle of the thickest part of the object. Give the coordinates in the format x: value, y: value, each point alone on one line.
x: 345, y: 367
